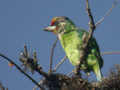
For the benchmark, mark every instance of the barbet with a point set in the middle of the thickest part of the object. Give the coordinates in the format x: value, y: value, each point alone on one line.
x: 71, y: 40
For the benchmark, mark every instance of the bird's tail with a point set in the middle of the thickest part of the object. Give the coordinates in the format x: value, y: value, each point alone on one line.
x: 97, y: 71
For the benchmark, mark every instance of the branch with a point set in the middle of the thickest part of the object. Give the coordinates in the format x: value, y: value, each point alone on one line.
x: 91, y: 23
x: 110, y: 53
x: 52, y: 54
x: 61, y: 62
x: 11, y: 61
x: 40, y: 83
x: 107, y: 13
x: 85, y: 38
x: 31, y: 62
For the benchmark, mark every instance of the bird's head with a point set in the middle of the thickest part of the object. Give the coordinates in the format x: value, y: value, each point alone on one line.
x: 60, y: 25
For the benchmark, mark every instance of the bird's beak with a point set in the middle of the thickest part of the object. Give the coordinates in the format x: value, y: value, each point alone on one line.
x: 50, y: 28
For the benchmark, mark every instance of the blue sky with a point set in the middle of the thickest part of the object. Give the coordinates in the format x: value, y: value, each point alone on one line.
x: 22, y: 22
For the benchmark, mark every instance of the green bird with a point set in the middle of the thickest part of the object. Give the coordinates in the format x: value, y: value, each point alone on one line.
x: 70, y: 38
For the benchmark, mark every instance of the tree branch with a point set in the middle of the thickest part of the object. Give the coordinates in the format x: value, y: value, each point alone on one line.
x: 85, y: 38
x: 110, y: 53
x: 107, y: 13
x: 31, y: 63
x: 91, y: 23
x: 61, y: 62
x: 52, y: 54
x: 11, y: 61
x: 40, y: 83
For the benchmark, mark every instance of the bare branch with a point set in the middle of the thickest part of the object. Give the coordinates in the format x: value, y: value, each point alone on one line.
x: 52, y: 54
x: 70, y: 73
x: 11, y: 61
x: 107, y: 13
x: 85, y: 38
x: 91, y: 23
x: 31, y: 62
x: 40, y: 83
x: 26, y: 51
x: 61, y: 62
x: 110, y: 53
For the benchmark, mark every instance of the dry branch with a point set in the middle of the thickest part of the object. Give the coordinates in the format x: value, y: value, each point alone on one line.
x: 52, y: 54
x: 11, y: 61
x: 107, y: 13
x: 60, y: 63
x: 85, y: 38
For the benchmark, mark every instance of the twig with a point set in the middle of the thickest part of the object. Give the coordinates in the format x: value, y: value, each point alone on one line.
x: 52, y: 53
x: 85, y: 38
x: 107, y: 13
x: 91, y: 23
x: 110, y: 53
x: 9, y: 60
x: 26, y: 51
x: 70, y: 73
x: 61, y: 62
x: 40, y: 83
x: 31, y: 63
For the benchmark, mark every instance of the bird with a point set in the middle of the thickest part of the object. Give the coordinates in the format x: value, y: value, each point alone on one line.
x: 70, y: 37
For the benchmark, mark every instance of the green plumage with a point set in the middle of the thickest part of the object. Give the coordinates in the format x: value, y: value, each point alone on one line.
x: 71, y: 40
x: 72, y: 44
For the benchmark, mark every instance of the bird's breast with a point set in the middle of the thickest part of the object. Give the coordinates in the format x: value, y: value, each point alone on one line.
x: 71, y: 45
